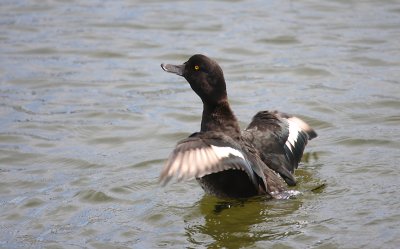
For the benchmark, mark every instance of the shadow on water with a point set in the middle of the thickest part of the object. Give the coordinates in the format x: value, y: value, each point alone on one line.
x: 240, y: 223
x: 217, y: 223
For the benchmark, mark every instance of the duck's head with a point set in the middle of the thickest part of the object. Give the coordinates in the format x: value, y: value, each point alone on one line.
x: 205, y: 77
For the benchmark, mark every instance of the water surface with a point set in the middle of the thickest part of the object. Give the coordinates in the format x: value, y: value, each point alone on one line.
x: 88, y: 118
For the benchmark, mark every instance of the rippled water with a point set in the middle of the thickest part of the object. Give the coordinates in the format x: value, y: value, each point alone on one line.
x: 88, y: 118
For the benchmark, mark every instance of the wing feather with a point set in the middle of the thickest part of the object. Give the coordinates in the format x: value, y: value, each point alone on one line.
x: 196, y: 157
x: 280, y: 138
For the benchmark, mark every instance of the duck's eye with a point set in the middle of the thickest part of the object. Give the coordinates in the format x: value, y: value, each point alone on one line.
x: 196, y: 68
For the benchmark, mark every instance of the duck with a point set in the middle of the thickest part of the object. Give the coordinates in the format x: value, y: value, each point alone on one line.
x: 229, y: 162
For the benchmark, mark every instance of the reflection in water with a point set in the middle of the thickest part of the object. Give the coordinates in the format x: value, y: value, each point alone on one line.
x: 241, y: 223
x: 229, y: 223
x: 310, y: 156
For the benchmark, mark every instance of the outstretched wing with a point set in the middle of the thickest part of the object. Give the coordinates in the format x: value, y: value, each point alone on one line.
x: 202, y: 154
x: 280, y: 139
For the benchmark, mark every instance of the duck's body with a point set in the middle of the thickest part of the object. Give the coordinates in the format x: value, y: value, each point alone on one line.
x: 225, y: 161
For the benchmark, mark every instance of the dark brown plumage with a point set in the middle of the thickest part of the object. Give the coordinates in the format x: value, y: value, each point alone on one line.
x: 225, y: 161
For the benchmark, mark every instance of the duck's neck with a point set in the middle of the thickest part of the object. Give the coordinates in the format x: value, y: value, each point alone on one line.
x: 219, y: 117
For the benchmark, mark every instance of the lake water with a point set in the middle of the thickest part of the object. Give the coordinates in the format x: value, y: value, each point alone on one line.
x: 88, y: 118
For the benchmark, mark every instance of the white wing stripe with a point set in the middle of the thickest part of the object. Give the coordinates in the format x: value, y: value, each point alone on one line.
x: 222, y: 152
x: 294, y: 131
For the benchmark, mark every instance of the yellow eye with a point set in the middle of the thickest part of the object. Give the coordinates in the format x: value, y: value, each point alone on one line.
x: 197, y: 68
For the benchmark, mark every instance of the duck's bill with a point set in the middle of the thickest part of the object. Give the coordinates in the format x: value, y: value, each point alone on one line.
x: 176, y: 69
